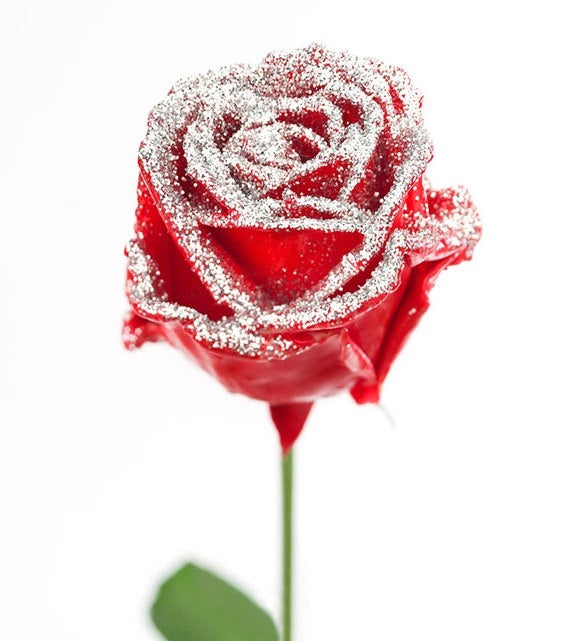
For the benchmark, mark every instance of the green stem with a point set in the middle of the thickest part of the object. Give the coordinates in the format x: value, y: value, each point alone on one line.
x: 287, y: 487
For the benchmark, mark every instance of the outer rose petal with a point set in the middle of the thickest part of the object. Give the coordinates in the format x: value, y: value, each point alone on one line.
x: 412, y: 305
x: 332, y: 364
x: 290, y: 386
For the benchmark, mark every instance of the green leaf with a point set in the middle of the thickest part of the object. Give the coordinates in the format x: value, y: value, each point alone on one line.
x: 196, y: 605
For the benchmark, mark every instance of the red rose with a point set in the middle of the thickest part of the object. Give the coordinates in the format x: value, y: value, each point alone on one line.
x: 284, y: 238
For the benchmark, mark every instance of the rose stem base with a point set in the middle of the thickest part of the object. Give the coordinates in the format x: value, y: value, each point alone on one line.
x: 287, y: 491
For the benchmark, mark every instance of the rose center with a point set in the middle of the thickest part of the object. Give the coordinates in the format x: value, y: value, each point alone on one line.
x: 266, y: 145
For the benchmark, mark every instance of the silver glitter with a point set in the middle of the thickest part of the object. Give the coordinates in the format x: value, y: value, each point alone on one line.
x: 243, y: 164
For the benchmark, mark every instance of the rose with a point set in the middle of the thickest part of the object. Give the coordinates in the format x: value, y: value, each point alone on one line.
x: 285, y: 238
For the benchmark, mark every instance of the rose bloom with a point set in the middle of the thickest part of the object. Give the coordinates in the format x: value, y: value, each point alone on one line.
x: 285, y: 238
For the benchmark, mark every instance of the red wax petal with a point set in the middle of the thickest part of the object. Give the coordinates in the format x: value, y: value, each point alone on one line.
x: 371, y: 330
x: 378, y: 176
x: 332, y: 362
x: 137, y: 331
x: 325, y: 181
x: 285, y: 263
x: 314, y: 120
x: 407, y: 313
x: 181, y: 284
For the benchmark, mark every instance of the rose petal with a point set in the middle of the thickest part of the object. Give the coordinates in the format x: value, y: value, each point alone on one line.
x: 285, y: 263
x: 325, y: 181
x: 407, y: 313
x: 333, y: 363
x: 180, y: 283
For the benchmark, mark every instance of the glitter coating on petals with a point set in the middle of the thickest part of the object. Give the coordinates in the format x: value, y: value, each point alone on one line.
x: 307, y: 141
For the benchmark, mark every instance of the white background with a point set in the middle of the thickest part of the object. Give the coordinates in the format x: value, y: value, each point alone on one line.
x: 460, y: 524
